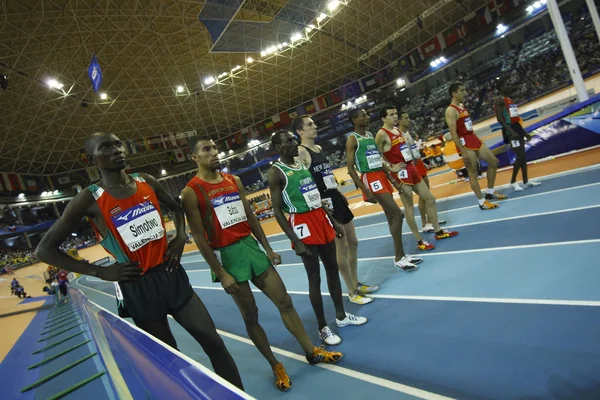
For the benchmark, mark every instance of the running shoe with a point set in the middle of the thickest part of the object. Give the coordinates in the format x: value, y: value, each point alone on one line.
x: 411, y: 259
x: 495, y: 196
x: 445, y: 234
x: 516, y: 187
x: 405, y: 264
x: 532, y: 184
x: 442, y: 222
x: 330, y: 338
x: 424, y: 245
x: 360, y: 298
x: 428, y: 228
x: 363, y: 287
x: 320, y: 355
x: 351, y: 320
x: 282, y: 380
x: 488, y: 206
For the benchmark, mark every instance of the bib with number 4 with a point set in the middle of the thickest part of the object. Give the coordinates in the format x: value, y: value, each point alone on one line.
x: 311, y: 195
x: 403, y: 174
x: 374, y: 159
x: 139, y: 225
x: 469, y: 124
x: 406, y: 152
x: 229, y: 209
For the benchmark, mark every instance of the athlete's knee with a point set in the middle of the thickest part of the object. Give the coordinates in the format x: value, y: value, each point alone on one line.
x: 494, y: 162
x: 314, y: 279
x: 429, y: 200
x: 250, y: 315
x: 352, y: 242
x: 285, y: 304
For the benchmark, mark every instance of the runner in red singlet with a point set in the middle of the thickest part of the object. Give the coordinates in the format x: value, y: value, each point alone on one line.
x: 470, y: 147
x: 223, y: 222
x: 406, y: 178
x: 513, y: 133
x: 126, y: 214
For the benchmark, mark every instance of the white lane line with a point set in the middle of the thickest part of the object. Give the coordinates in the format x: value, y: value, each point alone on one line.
x: 398, y: 387
x: 484, y: 250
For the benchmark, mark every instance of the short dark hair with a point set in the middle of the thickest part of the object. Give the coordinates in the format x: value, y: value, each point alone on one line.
x: 353, y: 114
x: 276, y: 138
x: 298, y: 123
x: 194, y: 140
x: 454, y: 88
x: 383, y: 110
x: 403, y: 112
x: 88, y: 145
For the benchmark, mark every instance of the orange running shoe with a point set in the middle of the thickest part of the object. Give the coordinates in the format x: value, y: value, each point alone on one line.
x: 425, y: 245
x: 488, y: 206
x: 445, y: 234
x: 320, y: 355
x: 282, y: 380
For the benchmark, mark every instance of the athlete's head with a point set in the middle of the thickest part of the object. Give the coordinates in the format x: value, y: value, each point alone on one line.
x: 106, y: 151
x: 358, y: 117
x: 457, y: 91
x: 389, y: 115
x: 204, y: 152
x: 504, y: 87
x: 285, y: 143
x: 305, y: 127
x: 404, y: 120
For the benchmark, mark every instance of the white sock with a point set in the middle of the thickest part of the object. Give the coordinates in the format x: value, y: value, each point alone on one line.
x: 489, y: 191
x: 481, y: 201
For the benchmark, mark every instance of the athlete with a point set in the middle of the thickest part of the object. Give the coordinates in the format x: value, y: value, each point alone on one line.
x: 404, y: 126
x: 470, y: 147
x: 406, y: 177
x: 221, y: 220
x: 507, y: 114
x: 124, y: 211
x: 312, y: 156
x: 362, y: 156
x: 311, y: 230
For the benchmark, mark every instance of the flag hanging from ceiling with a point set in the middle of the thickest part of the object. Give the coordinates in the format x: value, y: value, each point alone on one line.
x: 95, y: 73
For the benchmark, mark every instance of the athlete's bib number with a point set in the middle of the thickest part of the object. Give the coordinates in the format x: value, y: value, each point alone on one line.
x: 229, y: 209
x: 374, y: 159
x: 118, y: 292
x: 329, y: 180
x: 513, y: 110
x: 515, y: 143
x: 139, y: 225
x: 329, y: 203
x: 302, y: 231
x: 415, y: 151
x: 376, y: 186
x: 406, y: 152
x: 469, y: 124
x: 462, y: 141
x: 311, y: 195
x: 403, y: 174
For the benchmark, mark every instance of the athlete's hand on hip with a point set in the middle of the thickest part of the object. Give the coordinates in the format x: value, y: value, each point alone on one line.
x: 173, y: 254
x: 302, y: 250
x: 228, y: 283
x: 274, y: 257
x: 127, y: 271
x: 339, y: 231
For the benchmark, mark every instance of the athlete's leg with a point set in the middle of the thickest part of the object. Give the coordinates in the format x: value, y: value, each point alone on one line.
x: 470, y: 159
x: 492, y: 161
x: 160, y: 329
x: 347, y: 254
x: 313, y: 271
x: 195, y: 319
x: 422, y: 190
x: 327, y: 253
x: 422, y: 209
x: 247, y: 306
x: 409, y: 210
x: 520, y: 162
x: 394, y: 215
x: 270, y: 283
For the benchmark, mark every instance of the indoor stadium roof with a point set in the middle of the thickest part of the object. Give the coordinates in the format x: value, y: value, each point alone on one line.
x: 147, y: 48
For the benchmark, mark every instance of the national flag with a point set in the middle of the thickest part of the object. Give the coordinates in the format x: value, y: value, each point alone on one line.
x: 7, y: 182
x: 450, y: 36
x: 269, y: 125
x: 484, y: 15
x: 320, y: 103
x: 301, y: 110
x: 461, y: 29
x: 284, y: 118
x: 179, y: 156
x: 95, y: 73
x: 31, y: 184
x: 433, y: 46
x: 310, y: 107
x: 416, y: 56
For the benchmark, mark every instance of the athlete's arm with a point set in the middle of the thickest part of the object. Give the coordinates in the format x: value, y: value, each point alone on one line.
x: 304, y: 157
x: 257, y: 229
x: 48, y: 250
x: 191, y: 208
x: 451, y: 118
x: 351, y: 145
x: 276, y: 189
x: 176, y: 246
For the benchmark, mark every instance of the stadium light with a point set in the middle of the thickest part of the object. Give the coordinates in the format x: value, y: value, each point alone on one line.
x: 400, y: 82
x: 103, y: 96
x: 164, y: 172
x: 21, y: 195
x: 209, y: 80
x: 249, y: 60
x: 321, y: 17
x: 55, y: 192
x: 295, y: 37
x: 501, y: 28
x: 179, y: 89
x: 54, y: 84
x: 230, y: 151
x: 263, y: 53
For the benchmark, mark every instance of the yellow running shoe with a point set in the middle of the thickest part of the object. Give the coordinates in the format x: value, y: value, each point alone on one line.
x: 495, y: 196
x: 282, y: 380
x: 488, y: 206
x: 320, y: 355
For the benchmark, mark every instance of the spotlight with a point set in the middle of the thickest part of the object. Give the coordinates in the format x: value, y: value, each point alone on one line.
x: 179, y: 89
x: 249, y: 60
x: 209, y: 80
x: 332, y: 5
